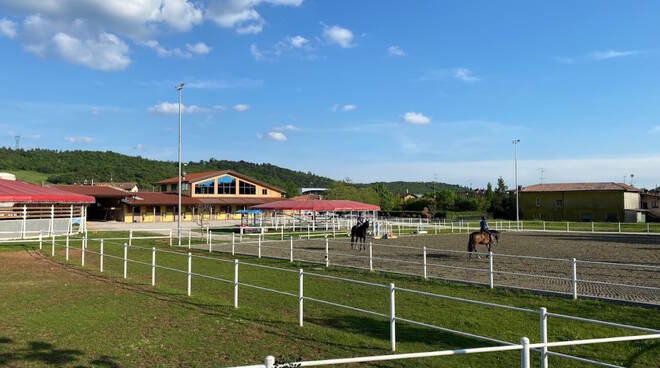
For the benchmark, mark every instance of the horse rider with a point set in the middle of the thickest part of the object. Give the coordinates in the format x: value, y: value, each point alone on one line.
x: 484, y: 228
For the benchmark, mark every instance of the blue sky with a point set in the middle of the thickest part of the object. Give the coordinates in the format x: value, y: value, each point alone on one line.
x: 370, y: 90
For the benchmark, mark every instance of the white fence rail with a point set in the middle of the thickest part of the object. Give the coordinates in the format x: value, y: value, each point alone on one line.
x: 389, y: 292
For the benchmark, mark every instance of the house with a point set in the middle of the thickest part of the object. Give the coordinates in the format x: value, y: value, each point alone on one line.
x: 650, y: 203
x: 607, y: 201
x: 108, y: 205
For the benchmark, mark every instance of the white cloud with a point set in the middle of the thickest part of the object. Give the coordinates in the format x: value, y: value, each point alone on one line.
x: 298, y: 41
x: 347, y: 108
x: 256, y: 53
x: 276, y: 136
x: 338, y: 35
x: 165, y: 52
x: 465, y: 75
x: 598, y: 55
x: 416, y: 118
x: 611, y: 54
x: 139, y: 147
x: 241, y: 107
x: 288, y: 127
x: 460, y: 74
x: 173, y: 108
x: 241, y: 15
x: 395, y: 51
x: 107, y: 52
x: 8, y: 28
x: 199, y: 48
x: 78, y: 139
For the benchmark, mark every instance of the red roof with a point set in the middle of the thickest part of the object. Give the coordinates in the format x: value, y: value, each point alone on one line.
x: 317, y: 205
x: 98, y: 191
x: 20, y: 192
x: 580, y: 187
x: 158, y: 198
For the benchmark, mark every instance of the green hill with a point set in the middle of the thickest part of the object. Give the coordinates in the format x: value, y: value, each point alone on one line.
x: 42, y: 165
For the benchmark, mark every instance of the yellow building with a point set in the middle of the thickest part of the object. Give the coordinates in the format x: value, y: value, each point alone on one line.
x: 210, y: 195
x: 613, y: 202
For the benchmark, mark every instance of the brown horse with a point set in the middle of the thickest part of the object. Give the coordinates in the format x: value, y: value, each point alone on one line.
x: 480, y: 237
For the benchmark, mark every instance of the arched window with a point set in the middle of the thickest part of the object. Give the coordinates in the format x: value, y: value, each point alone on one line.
x: 205, y: 187
x: 226, y: 185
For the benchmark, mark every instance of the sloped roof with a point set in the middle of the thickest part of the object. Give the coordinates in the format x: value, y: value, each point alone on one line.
x: 580, y: 187
x: 317, y: 205
x: 98, y: 191
x: 21, y: 192
x: 197, y: 176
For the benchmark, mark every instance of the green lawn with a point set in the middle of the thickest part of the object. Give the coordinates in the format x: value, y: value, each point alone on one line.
x: 53, y: 312
x: 30, y: 176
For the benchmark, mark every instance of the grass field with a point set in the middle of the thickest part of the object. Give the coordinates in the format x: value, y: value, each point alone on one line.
x: 57, y: 313
x: 33, y: 177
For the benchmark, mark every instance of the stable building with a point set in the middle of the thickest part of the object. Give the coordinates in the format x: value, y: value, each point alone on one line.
x: 600, y: 202
x: 205, y: 196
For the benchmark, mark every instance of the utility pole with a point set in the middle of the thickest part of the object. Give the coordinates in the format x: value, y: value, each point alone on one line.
x: 179, y: 88
x: 515, y: 145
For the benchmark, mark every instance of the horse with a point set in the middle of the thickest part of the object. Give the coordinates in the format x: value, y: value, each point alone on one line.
x: 359, y: 232
x: 481, y: 237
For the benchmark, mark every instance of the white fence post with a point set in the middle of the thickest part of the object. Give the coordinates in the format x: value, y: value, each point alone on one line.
x: 233, y: 243
x: 575, y: 294
x: 291, y: 248
x: 371, y: 257
x: 236, y: 283
x: 82, y: 251
x: 269, y: 361
x: 52, y: 250
x: 40, y: 240
x: 101, y: 257
x: 568, y: 228
x: 593, y: 228
x: 210, y: 241
x: 189, y: 271
x: 543, y: 225
x: 300, y: 297
x: 424, y: 261
x: 259, y: 242
x: 189, y: 238
x: 327, y: 253
x: 240, y: 235
x: 66, y: 247
x: 490, y: 269
x: 282, y: 233
x: 392, y: 319
x: 619, y: 227
x: 170, y: 237
x: 130, y: 237
x: 524, y: 353
x: 125, y: 259
x: 153, y: 266
x: 543, y: 313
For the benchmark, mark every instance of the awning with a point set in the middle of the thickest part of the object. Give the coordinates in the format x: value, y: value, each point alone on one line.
x: 19, y: 192
x: 317, y: 206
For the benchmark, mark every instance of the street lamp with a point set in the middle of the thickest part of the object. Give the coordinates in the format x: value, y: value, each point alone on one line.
x: 515, y: 145
x: 179, y: 88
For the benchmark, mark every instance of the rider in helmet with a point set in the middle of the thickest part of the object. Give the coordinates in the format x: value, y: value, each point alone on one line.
x: 484, y: 228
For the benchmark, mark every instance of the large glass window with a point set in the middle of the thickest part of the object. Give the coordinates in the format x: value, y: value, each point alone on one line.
x: 226, y: 185
x: 205, y: 187
x: 246, y: 188
x: 163, y: 187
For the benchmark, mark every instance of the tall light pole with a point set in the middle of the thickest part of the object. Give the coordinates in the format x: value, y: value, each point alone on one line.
x: 515, y: 145
x: 179, y: 88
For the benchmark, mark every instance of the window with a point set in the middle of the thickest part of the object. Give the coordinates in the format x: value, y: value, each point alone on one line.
x: 654, y: 204
x: 246, y: 188
x: 205, y: 187
x: 559, y: 203
x: 264, y: 192
x: 184, y: 186
x: 226, y: 185
x: 538, y: 202
x: 163, y: 187
x: 173, y: 187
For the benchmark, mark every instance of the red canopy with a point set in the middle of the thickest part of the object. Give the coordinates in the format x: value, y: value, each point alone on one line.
x: 317, y: 206
x: 20, y: 192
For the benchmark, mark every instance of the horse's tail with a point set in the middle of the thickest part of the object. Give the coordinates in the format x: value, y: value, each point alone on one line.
x: 470, y: 243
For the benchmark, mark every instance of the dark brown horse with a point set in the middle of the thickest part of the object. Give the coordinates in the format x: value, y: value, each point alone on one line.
x: 359, y: 233
x: 481, y: 237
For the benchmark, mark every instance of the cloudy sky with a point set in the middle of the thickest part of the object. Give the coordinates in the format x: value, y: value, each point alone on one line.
x: 371, y: 90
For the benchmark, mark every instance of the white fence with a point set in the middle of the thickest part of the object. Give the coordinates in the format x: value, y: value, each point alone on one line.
x: 388, y: 291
